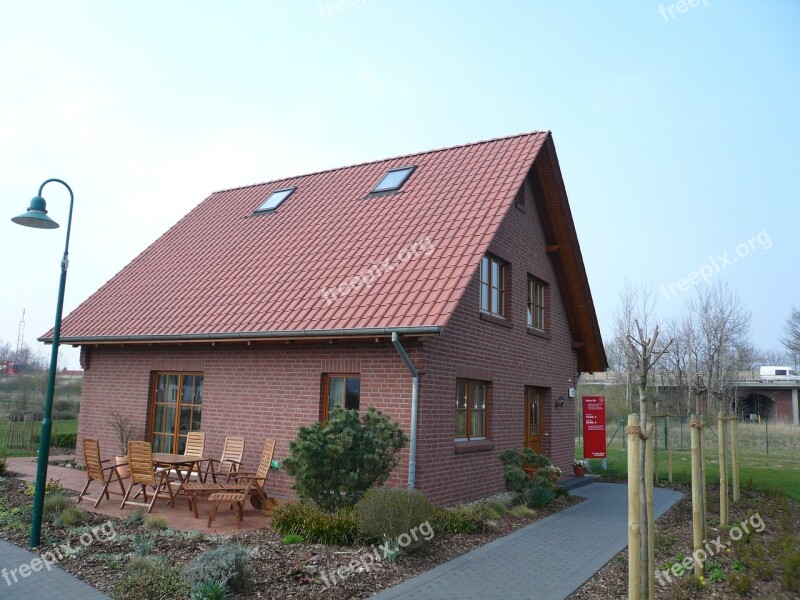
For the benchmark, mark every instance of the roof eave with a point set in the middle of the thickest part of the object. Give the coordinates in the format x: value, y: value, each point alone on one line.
x: 243, y: 336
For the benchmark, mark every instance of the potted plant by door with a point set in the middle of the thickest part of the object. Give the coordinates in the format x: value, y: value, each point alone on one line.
x: 580, y: 467
x: 125, y: 432
x: 527, y: 460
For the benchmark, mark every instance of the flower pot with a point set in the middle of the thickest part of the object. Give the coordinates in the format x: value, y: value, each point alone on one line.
x: 530, y: 470
x: 122, y: 466
x: 579, y: 471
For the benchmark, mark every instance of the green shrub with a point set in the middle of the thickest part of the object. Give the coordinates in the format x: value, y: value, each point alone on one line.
x: 3, y: 465
x: 791, y: 571
x: 523, y: 512
x: 463, y: 519
x: 64, y: 440
x: 134, y: 518
x: 292, y: 538
x: 209, y: 590
x: 113, y: 562
x: 51, y: 487
x: 537, y: 497
x: 143, y: 545
x: 229, y: 563
x: 155, y: 522
x: 55, y: 503
x: 334, y: 463
x: 536, y: 492
x: 386, y: 513
x: 151, y: 580
x: 71, y: 516
x: 316, y: 526
x: 741, y: 583
x: 523, y: 458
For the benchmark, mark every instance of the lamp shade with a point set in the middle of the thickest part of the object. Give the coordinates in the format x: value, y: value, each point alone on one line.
x: 36, y: 216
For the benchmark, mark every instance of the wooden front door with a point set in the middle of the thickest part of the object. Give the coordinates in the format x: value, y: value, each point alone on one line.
x: 533, y: 418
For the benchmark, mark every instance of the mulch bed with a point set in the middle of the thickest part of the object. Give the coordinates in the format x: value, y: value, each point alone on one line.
x: 674, y: 539
x: 281, y: 571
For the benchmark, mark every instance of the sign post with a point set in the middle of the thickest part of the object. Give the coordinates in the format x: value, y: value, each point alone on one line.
x: 594, y: 427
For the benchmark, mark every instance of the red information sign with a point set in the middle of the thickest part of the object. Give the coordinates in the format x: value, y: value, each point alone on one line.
x: 594, y: 426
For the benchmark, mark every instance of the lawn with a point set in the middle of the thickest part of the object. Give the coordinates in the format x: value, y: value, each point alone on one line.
x: 59, y: 426
x: 781, y: 468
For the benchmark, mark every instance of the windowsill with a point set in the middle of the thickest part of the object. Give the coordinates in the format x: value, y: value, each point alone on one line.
x: 464, y: 446
x: 496, y: 320
x: 539, y: 333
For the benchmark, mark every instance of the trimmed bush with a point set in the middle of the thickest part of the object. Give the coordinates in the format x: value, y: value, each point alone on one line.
x: 155, y: 522
x: 229, y: 563
x: 536, y: 492
x: 334, y: 463
x: 151, y: 580
x: 316, y: 526
x: 386, y: 513
x: 3, y: 466
x: 64, y: 440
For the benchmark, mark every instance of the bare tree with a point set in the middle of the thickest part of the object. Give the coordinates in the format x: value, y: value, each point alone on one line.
x: 791, y: 334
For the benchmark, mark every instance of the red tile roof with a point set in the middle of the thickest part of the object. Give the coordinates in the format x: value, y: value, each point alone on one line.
x: 222, y: 272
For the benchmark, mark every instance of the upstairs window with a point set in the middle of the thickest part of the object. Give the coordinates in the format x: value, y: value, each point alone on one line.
x: 493, y: 286
x: 393, y: 180
x: 275, y: 199
x: 537, y: 303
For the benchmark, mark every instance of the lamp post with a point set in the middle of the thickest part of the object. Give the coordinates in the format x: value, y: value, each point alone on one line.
x: 36, y: 216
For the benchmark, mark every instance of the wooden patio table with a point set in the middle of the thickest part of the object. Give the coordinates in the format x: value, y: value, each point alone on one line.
x: 175, y: 461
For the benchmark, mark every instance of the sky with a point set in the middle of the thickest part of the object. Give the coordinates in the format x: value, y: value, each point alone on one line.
x: 677, y: 126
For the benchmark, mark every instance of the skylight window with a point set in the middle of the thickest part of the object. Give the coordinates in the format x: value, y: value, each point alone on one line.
x: 393, y: 180
x: 275, y: 199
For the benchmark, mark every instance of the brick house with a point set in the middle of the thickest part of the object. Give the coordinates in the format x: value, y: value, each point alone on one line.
x: 268, y: 305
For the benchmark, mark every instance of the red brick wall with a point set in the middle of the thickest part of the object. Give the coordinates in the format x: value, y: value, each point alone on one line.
x: 258, y: 391
x: 510, y: 358
x: 271, y: 389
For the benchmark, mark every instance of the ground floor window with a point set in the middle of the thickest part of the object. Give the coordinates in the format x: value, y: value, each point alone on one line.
x: 176, y: 408
x: 340, y: 391
x: 470, y: 410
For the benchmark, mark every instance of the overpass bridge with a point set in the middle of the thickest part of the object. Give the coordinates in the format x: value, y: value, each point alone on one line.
x: 755, y: 397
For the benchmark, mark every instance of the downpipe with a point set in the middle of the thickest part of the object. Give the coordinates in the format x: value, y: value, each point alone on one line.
x: 412, y: 445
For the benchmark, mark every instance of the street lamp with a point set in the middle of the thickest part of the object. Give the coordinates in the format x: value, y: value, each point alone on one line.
x: 36, y: 216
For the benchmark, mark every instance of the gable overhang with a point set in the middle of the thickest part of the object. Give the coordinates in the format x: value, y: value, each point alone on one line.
x: 251, y: 336
x: 564, y: 250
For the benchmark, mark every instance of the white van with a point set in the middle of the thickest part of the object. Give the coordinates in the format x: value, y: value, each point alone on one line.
x: 778, y: 374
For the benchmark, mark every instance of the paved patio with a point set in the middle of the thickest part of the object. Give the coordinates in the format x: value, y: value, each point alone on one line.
x: 179, y: 517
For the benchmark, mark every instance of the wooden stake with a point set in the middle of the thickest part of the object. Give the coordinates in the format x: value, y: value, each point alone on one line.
x: 634, y: 542
x: 669, y: 453
x: 697, y: 495
x: 704, y: 504
x: 649, y: 467
x: 722, y: 425
x: 735, y: 456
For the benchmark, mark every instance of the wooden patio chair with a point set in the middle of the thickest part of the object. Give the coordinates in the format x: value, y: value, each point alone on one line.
x: 229, y: 462
x: 195, y: 446
x: 236, y: 500
x: 95, y: 471
x: 140, y: 458
x: 252, y: 482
